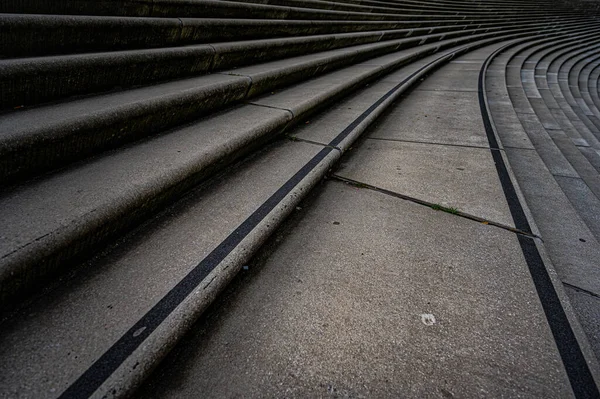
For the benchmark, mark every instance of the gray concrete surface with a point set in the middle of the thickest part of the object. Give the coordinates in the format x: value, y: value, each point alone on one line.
x: 563, y: 206
x: 422, y: 311
x: 342, y: 308
x: 364, y: 294
x: 184, y: 233
x: 443, y: 117
x: 80, y: 320
x: 463, y: 178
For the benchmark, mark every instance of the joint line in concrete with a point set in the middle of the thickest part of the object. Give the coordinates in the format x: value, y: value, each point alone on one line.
x: 431, y: 205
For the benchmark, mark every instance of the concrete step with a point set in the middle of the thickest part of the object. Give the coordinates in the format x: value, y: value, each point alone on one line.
x: 593, y: 87
x: 581, y: 72
x: 573, y: 104
x: 589, y: 145
x: 225, y: 9
x: 215, y: 8
x: 26, y: 35
x: 564, y: 114
x: 239, y: 209
x: 31, y: 254
x: 560, y: 88
x: 78, y: 128
x: 570, y: 243
x: 421, y: 7
x: 561, y: 149
x: 570, y: 85
x: 573, y: 66
x: 30, y: 81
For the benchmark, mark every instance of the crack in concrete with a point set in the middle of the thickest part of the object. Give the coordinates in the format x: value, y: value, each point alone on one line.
x: 431, y: 205
x: 432, y: 143
x: 590, y: 293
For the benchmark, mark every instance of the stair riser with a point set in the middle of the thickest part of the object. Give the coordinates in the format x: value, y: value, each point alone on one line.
x: 37, y: 35
x: 34, y: 81
x: 212, y: 9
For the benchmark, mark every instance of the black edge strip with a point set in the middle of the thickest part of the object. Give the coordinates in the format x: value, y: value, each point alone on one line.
x: 578, y: 372
x: 112, y: 359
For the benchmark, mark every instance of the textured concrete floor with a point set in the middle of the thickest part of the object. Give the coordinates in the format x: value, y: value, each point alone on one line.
x: 365, y: 294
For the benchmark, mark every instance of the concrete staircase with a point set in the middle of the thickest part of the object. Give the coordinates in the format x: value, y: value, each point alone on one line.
x: 542, y: 102
x: 149, y: 148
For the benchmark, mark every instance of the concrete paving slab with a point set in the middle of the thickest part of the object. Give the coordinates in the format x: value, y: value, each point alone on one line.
x: 520, y: 101
x: 540, y: 79
x: 549, y: 99
x: 453, y: 78
x: 513, y: 76
x: 467, y: 64
x: 458, y: 177
x: 503, y: 114
x: 580, y: 163
x: 566, y: 125
x: 592, y: 155
x: 580, y: 142
x: 436, y: 117
x: 495, y: 81
x: 515, y: 135
x: 475, y: 55
x: 544, y: 115
x: 374, y: 296
x: 509, y: 127
x: 531, y: 90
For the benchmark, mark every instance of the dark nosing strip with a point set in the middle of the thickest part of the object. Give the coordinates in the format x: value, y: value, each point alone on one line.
x: 114, y: 357
x: 578, y: 372
x: 101, y: 370
x: 429, y: 204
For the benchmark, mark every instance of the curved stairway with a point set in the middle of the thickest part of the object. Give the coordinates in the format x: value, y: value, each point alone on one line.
x: 148, y: 149
x: 551, y: 139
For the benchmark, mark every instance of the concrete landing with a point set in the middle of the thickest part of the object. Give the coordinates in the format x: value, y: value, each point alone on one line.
x: 365, y: 294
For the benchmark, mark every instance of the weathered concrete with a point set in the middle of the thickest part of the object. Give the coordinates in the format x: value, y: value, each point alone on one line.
x: 161, y: 256
x: 563, y: 206
x: 129, y: 256
x: 338, y: 309
x: 455, y: 177
x: 80, y: 320
x: 367, y: 294
x: 438, y: 117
